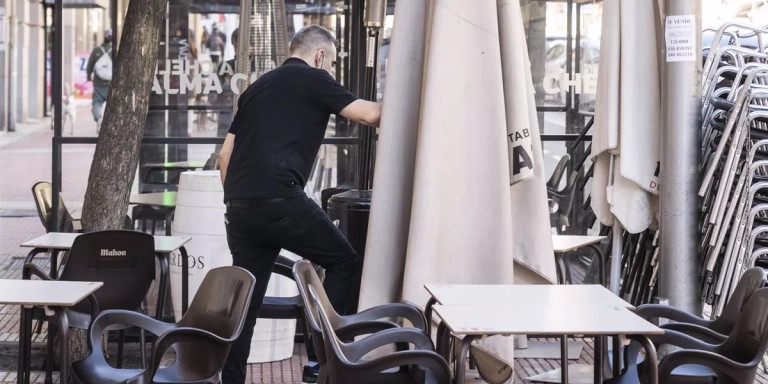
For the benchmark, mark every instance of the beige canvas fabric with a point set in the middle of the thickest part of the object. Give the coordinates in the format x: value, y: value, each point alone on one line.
x: 444, y: 207
x: 627, y: 116
x: 389, y: 222
x: 531, y: 240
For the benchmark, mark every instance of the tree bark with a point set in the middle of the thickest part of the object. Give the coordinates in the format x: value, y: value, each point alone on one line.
x: 117, y: 150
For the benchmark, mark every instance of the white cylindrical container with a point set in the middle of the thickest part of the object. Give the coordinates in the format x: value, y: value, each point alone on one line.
x: 200, y: 216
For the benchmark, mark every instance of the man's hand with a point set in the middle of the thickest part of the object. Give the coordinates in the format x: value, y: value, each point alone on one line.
x: 363, y: 111
x: 224, y: 154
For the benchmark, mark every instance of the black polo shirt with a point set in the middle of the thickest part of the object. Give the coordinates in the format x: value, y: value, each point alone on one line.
x: 279, y: 126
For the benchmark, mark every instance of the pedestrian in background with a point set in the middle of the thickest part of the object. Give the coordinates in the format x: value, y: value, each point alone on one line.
x: 100, y: 72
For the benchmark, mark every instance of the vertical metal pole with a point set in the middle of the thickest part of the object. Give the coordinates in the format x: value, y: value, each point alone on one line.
x: 11, y: 54
x: 56, y: 85
x: 680, y: 156
x: 46, y: 44
x: 115, y: 34
x: 243, y: 49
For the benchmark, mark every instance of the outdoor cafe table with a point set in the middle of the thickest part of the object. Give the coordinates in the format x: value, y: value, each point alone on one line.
x: 555, y: 318
x: 164, y: 201
x: 155, y: 199
x: 562, y: 244
x: 54, y: 296
x: 542, y: 303
x: 164, y: 245
x: 175, y: 166
x: 151, y: 168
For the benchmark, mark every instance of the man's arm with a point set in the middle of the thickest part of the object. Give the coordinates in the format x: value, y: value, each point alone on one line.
x: 363, y: 111
x: 225, y: 154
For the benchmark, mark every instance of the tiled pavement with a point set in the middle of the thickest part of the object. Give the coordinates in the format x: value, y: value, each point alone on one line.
x: 24, y: 159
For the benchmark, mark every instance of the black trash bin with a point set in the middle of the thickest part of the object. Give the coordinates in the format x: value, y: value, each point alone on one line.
x: 352, y: 209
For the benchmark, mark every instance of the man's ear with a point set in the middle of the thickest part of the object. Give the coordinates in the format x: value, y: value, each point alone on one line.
x: 319, y: 57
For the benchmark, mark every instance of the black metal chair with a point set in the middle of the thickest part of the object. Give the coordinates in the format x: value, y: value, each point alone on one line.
x: 632, y: 375
x: 346, y: 364
x: 347, y: 327
x: 733, y: 361
x: 711, y: 331
x: 123, y: 260
x: 201, y: 339
x: 277, y: 307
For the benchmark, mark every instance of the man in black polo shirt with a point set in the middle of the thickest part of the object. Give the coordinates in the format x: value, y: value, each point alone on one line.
x: 265, y: 161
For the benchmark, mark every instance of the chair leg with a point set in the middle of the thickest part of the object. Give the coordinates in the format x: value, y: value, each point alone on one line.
x: 64, y: 346
x: 49, y: 355
x: 143, y: 346
x: 121, y: 338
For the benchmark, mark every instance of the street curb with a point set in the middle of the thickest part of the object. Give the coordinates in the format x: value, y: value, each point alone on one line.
x: 24, y: 129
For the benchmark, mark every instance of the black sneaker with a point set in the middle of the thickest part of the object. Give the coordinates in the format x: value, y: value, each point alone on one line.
x: 310, y: 372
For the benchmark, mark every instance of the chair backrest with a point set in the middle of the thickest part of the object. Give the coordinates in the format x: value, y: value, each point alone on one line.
x: 554, y: 181
x: 306, y: 276
x: 335, y: 356
x: 752, y: 280
x: 219, y: 307
x: 748, y: 340
x: 123, y: 260
x: 42, y: 192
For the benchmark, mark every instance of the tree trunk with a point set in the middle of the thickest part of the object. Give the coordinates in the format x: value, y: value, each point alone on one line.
x: 117, y: 150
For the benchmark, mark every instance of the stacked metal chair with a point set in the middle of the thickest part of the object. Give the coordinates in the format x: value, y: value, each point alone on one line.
x: 734, y: 188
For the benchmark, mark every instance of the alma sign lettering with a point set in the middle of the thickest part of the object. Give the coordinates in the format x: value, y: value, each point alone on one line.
x: 183, y: 76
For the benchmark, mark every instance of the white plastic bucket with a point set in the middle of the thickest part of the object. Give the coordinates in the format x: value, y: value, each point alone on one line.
x: 200, y: 216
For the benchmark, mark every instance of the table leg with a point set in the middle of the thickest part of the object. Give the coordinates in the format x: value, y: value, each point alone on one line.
x: 616, y: 357
x: 184, y: 280
x: 598, y: 358
x: 461, y: 366
x: 21, y: 363
x: 564, y: 359
x: 54, y: 264
x: 61, y: 317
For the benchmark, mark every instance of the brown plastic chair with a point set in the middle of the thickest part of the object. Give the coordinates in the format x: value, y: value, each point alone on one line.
x: 345, y: 360
x: 42, y: 192
x: 201, y: 339
x: 123, y: 260
x: 733, y: 361
x: 712, y: 331
x: 370, y: 321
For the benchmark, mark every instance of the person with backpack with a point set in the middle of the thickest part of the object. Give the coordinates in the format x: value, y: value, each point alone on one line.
x: 100, y: 72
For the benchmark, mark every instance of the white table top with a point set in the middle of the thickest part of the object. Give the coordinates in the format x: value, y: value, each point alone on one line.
x: 42, y: 292
x: 542, y: 319
x: 63, y: 241
x: 155, y: 199
x: 523, y: 295
x: 566, y: 243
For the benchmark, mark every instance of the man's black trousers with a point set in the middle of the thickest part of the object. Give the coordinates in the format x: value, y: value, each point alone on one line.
x: 256, y: 231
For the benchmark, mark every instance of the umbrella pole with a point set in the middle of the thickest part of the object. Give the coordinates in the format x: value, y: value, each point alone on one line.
x: 615, y: 257
x: 615, y: 273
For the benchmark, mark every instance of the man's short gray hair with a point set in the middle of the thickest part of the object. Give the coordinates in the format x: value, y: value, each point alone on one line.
x: 311, y: 38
